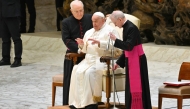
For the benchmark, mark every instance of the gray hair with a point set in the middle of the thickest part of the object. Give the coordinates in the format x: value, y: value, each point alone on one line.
x: 117, y: 14
x: 74, y: 2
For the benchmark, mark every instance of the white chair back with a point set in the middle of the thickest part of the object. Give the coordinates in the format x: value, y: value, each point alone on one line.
x: 129, y: 17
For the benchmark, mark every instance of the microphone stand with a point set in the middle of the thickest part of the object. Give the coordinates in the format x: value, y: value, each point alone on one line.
x: 112, y: 61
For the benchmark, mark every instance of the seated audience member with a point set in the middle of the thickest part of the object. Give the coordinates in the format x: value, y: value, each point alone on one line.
x: 86, y: 79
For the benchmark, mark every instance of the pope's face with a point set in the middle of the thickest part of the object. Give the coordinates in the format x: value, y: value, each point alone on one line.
x: 77, y: 11
x: 97, y: 22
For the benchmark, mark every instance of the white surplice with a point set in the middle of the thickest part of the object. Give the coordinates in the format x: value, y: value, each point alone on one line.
x: 86, y: 79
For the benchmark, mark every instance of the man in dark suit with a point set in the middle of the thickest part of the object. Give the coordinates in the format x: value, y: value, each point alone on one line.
x: 58, y: 4
x: 73, y: 27
x: 9, y: 28
x: 32, y: 20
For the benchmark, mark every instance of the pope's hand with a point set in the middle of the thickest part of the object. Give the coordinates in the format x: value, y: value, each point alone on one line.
x: 79, y: 41
x: 94, y: 41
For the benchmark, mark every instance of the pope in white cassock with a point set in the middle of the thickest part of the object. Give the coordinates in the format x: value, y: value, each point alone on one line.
x: 86, y: 79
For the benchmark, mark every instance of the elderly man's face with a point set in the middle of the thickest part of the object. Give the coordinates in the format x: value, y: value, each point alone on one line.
x: 97, y: 22
x: 117, y: 22
x: 77, y: 11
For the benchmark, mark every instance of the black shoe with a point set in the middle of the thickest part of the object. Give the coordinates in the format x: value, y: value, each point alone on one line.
x: 30, y: 31
x: 2, y: 62
x: 72, y: 107
x: 92, y: 106
x: 16, y: 63
x: 23, y: 31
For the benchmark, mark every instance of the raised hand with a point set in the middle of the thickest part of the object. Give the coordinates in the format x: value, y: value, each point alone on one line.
x: 79, y: 41
x: 94, y: 41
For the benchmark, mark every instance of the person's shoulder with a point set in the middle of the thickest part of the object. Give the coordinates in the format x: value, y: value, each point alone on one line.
x: 66, y: 19
x: 90, y: 31
x: 88, y: 15
x: 128, y: 24
x: 132, y: 25
x: 69, y: 19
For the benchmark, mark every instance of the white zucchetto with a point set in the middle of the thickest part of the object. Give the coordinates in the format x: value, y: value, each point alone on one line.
x: 99, y: 14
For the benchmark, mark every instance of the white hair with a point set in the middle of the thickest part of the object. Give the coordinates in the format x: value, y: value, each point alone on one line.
x: 117, y: 14
x: 74, y: 2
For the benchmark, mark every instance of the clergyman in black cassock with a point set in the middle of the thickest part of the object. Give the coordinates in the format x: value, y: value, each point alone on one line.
x: 137, y: 90
x: 72, y: 28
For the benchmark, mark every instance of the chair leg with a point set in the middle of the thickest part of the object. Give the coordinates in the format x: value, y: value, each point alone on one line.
x: 159, y: 101
x: 53, y: 94
x: 179, y: 103
x: 108, y: 91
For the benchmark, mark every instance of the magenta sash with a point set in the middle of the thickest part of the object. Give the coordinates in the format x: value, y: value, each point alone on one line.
x: 135, y: 76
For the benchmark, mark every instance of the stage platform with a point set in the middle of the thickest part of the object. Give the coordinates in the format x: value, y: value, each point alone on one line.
x: 167, y: 53
x: 66, y: 107
x: 48, y: 48
x: 45, y: 47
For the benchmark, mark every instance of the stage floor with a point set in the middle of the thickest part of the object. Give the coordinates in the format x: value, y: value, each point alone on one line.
x: 29, y: 86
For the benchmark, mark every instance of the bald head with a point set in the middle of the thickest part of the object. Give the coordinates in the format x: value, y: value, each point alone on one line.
x: 77, y: 9
x: 98, y: 20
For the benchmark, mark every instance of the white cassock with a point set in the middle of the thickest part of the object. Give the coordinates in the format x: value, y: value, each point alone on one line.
x: 86, y: 79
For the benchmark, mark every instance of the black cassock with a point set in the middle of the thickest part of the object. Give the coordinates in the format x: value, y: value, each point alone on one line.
x: 131, y: 39
x: 72, y: 29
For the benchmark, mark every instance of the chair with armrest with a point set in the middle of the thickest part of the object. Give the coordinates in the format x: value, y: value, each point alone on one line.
x: 179, y: 93
x: 57, y: 80
x: 107, y: 76
x: 107, y: 82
